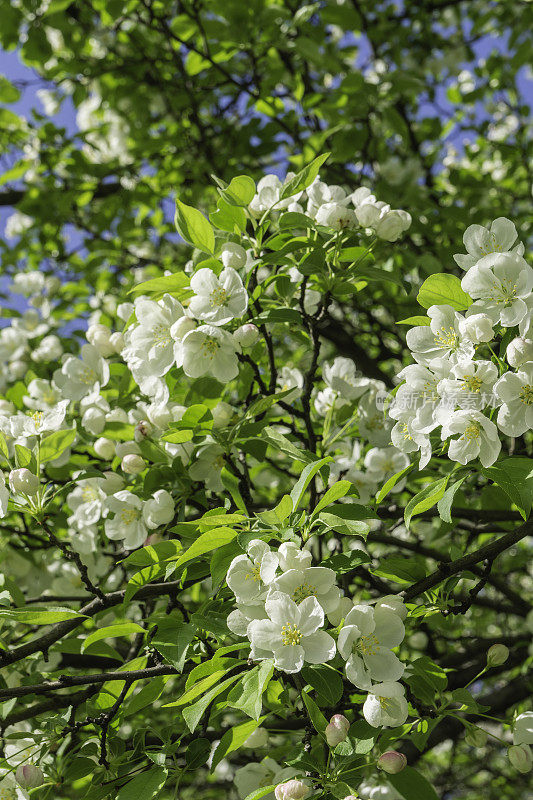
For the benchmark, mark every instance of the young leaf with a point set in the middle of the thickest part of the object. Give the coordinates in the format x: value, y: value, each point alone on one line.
x: 515, y: 476
x: 425, y: 499
x: 304, y: 178
x: 146, y: 785
x: 444, y: 506
x: 412, y: 785
x: 338, y: 490
x: 247, y: 695
x: 443, y: 289
x: 194, y: 227
x: 53, y: 445
x: 305, y: 479
x: 111, y: 632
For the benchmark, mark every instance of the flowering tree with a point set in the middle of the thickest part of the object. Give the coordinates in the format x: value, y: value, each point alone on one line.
x: 221, y: 536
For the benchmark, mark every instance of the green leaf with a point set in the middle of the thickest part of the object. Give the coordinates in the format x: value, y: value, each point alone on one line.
x: 8, y: 92
x: 258, y: 793
x: 293, y: 219
x: 112, y: 631
x: 338, y: 490
x: 315, y: 714
x: 304, y: 178
x: 53, y: 445
x: 144, y: 786
x: 515, y: 476
x: 412, y: 785
x: 425, y: 499
x: 193, y: 714
x: 197, y: 753
x: 393, y: 480
x: 444, y: 506
x: 443, y: 289
x: 305, y: 479
x: 233, y: 739
x: 239, y: 192
x: 326, y: 681
x: 172, y: 640
x: 3, y: 445
x: 40, y: 616
x: 206, y: 543
x: 23, y: 456
x: 166, y: 284
x: 417, y: 320
x: 247, y: 695
x: 280, y: 442
x: 279, y: 514
x: 228, y: 218
x: 194, y: 227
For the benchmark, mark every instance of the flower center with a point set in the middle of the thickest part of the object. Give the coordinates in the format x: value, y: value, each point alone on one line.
x: 406, y: 433
x: 210, y: 346
x: 472, y: 383
x: 37, y: 417
x: 219, y: 297
x: 87, y: 376
x: 254, y: 574
x: 129, y: 515
x: 472, y: 431
x: 161, y: 335
x: 290, y: 634
x: 503, y: 292
x: 367, y: 645
x: 385, y: 703
x: 8, y: 794
x: 302, y: 591
x: 526, y: 394
x: 89, y: 494
x: 446, y: 337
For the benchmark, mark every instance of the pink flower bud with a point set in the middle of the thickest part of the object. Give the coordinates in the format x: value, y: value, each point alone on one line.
x: 497, y: 655
x: 143, y: 430
x: 247, y: 335
x: 337, y: 730
x: 392, y: 762
x: 291, y: 790
x: 29, y: 776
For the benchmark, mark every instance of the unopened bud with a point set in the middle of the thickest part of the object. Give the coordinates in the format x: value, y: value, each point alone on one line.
x: 392, y: 762
x: 133, y: 464
x: 22, y: 481
x: 497, y: 654
x: 520, y: 757
x: 116, y: 340
x: 291, y: 790
x: 143, y: 430
x: 29, y: 776
x: 519, y: 351
x: 104, y: 448
x: 337, y: 730
x: 476, y: 737
x: 247, y: 335
x: 99, y: 336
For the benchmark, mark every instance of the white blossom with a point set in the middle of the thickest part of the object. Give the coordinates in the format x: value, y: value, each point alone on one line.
x: 292, y: 633
x: 217, y: 300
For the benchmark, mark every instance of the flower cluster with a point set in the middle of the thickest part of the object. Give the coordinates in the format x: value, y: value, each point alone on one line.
x: 459, y: 382
x: 283, y: 603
